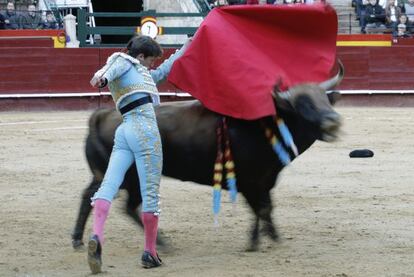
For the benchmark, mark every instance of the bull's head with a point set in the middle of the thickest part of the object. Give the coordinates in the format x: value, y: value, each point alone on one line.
x: 314, y: 104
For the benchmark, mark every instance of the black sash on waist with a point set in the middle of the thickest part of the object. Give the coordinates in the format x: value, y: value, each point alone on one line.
x: 136, y: 103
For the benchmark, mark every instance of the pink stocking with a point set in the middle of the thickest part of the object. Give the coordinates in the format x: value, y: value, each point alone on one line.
x: 150, y: 229
x: 100, y: 213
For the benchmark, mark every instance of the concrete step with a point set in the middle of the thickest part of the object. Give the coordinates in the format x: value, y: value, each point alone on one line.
x: 346, y: 16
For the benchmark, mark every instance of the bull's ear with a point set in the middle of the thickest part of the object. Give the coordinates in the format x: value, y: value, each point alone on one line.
x: 334, y: 96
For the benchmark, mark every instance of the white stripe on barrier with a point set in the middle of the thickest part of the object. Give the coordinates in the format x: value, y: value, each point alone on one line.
x: 49, y: 95
x: 176, y: 94
x: 70, y: 94
x: 39, y: 122
x: 59, y: 129
x: 376, y: 91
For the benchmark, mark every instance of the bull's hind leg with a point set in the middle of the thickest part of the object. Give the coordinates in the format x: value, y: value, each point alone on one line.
x: 84, y: 211
x: 131, y: 184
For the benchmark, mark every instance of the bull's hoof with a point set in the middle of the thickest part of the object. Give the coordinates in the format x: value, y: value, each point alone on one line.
x: 271, y: 232
x: 253, y: 247
x: 163, y: 247
x: 274, y: 236
x: 163, y: 243
x: 78, y: 244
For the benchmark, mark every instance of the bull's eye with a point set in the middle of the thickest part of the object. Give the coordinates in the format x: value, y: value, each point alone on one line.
x: 306, y: 108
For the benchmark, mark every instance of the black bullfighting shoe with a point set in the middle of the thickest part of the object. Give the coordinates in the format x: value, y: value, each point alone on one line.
x: 149, y: 261
x: 94, y: 254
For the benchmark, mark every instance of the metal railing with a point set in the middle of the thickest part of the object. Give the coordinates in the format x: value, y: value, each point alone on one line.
x: 347, y: 25
x: 84, y: 31
x: 202, y: 5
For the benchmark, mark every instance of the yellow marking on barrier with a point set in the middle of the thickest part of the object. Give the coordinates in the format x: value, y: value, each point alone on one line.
x: 380, y: 43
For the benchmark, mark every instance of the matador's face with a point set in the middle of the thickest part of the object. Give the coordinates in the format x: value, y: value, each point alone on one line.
x: 148, y: 62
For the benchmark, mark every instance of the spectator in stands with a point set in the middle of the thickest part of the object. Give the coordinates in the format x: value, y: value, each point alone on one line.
x: 402, y: 31
x: 2, y: 22
x: 50, y: 22
x: 374, y: 18
x: 31, y: 19
x: 400, y: 3
x: 221, y: 3
x: 211, y: 3
x: 403, y: 19
x: 409, y: 9
x: 392, y: 14
x: 382, y: 3
x: 314, y: 1
x: 292, y: 1
x: 360, y: 9
x: 11, y: 20
x: 257, y: 2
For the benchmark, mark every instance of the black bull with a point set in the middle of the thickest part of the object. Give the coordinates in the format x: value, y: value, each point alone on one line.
x: 189, y: 148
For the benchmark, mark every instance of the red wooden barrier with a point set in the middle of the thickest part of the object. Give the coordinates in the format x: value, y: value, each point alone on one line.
x: 41, y: 70
x: 51, y: 70
x: 46, y: 70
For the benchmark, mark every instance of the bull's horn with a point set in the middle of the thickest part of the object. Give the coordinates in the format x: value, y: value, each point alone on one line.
x: 285, y: 95
x: 334, y: 81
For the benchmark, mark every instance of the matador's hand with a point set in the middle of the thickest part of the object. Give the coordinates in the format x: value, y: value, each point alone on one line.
x: 98, y: 82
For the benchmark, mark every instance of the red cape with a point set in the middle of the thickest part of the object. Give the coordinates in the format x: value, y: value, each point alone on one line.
x: 240, y: 52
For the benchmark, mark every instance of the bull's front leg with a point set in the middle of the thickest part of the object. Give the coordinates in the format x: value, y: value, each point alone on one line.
x: 84, y: 211
x: 258, y: 197
x: 265, y: 214
x: 262, y: 217
x: 254, y: 236
x: 253, y: 199
x: 265, y: 204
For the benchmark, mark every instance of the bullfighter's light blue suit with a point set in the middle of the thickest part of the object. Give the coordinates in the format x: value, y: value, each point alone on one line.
x: 137, y: 138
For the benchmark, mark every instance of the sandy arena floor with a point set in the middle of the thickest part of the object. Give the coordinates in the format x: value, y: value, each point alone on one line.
x: 337, y: 216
